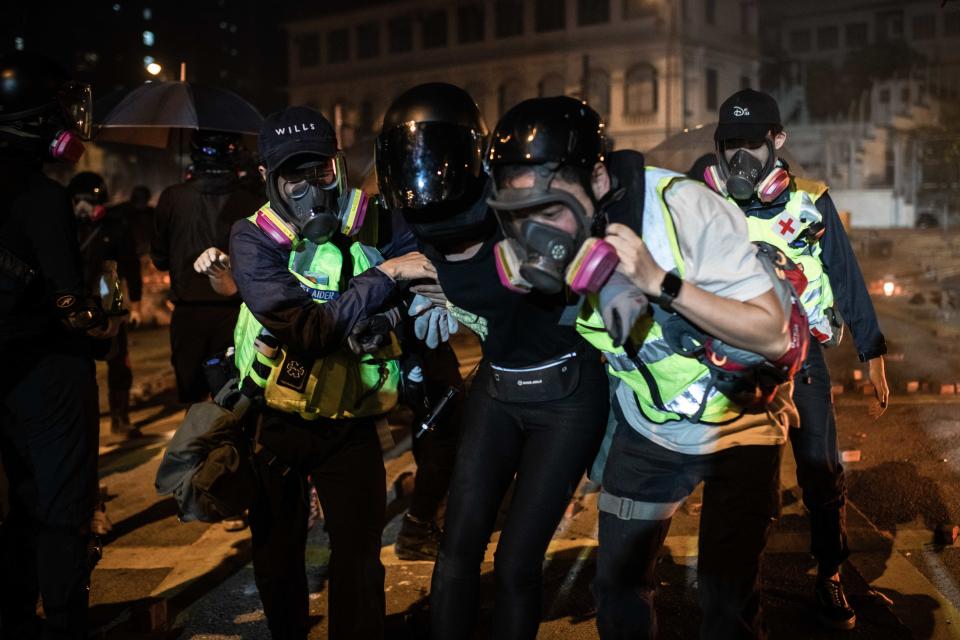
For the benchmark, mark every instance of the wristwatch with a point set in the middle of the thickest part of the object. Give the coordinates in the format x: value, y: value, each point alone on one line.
x: 669, y: 290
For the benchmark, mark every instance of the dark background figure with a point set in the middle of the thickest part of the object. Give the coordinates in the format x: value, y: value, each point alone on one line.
x: 104, y: 238
x: 48, y: 403
x: 190, y: 218
x: 137, y: 214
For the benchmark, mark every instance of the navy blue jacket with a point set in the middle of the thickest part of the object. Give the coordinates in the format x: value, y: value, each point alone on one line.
x: 286, y: 309
x: 849, y: 289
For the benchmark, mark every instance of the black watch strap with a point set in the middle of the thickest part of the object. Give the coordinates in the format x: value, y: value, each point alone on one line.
x: 670, y: 289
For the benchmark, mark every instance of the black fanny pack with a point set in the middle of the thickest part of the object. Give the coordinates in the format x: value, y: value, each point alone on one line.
x: 544, y: 382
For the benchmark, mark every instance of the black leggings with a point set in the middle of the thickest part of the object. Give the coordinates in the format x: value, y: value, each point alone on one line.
x: 548, y: 446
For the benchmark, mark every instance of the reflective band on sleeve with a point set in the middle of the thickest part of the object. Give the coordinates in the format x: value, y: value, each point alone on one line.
x: 627, y: 509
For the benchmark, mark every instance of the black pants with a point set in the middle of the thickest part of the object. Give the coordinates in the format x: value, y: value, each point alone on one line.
x: 740, y: 500
x: 119, y: 372
x: 436, y: 452
x: 48, y: 439
x: 547, y: 446
x: 345, y: 463
x: 197, y: 332
x: 819, y: 472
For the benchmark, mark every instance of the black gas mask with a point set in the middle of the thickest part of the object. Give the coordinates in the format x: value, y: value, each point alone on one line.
x: 309, y: 198
x: 542, y: 257
x: 744, y: 175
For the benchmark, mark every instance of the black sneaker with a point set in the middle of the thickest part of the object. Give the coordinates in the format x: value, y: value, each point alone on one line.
x: 833, y: 609
x: 417, y: 540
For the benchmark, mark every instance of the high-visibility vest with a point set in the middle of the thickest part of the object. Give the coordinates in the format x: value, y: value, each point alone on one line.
x: 780, y: 230
x: 667, y: 386
x: 339, y: 385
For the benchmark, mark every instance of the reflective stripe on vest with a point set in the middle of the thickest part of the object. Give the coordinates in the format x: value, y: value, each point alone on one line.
x: 667, y: 386
x: 340, y: 385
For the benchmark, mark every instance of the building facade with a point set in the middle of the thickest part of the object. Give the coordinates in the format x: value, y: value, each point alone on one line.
x: 650, y: 67
x: 866, y: 89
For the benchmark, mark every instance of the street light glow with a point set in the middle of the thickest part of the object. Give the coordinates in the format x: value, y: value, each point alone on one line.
x: 888, y: 288
x: 153, y: 68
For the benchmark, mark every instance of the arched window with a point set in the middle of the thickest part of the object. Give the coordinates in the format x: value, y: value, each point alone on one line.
x: 640, y: 91
x: 551, y: 84
x: 598, y: 94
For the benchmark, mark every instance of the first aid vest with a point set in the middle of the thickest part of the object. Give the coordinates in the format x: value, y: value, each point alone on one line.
x: 667, y: 386
x: 340, y: 385
x: 799, y: 213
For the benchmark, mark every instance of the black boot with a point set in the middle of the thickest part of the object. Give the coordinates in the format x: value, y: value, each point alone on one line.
x: 832, y: 607
x: 120, y: 427
x: 417, y: 540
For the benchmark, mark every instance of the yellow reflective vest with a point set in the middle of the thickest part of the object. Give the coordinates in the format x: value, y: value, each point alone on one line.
x: 339, y: 385
x: 667, y: 386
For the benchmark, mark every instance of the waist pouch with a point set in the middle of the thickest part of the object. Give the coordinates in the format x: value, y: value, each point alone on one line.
x: 545, y: 382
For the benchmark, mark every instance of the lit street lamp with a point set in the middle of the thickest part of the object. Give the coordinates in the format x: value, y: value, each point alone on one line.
x: 153, y: 68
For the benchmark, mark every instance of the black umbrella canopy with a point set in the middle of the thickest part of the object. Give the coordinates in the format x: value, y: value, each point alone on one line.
x: 150, y: 114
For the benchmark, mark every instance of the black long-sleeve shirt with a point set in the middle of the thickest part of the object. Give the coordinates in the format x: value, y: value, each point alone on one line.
x: 285, y: 309
x: 191, y: 218
x: 38, y: 229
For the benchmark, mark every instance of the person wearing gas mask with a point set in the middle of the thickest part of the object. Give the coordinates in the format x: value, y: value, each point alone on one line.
x: 191, y: 218
x: 48, y: 402
x: 104, y: 238
x: 536, y: 410
x: 799, y: 217
x: 314, y: 339
x: 686, y: 299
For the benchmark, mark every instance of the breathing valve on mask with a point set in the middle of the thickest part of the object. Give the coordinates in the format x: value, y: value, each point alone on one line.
x: 546, y: 263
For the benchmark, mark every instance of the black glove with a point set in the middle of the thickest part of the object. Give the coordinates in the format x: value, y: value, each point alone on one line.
x: 370, y: 334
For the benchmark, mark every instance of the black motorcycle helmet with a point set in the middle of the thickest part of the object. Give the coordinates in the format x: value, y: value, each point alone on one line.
x: 429, y: 161
x: 215, y: 149
x: 89, y: 186
x: 555, y: 135
x: 38, y: 103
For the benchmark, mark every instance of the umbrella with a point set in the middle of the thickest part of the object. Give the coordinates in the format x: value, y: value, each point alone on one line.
x: 150, y: 114
x: 681, y: 150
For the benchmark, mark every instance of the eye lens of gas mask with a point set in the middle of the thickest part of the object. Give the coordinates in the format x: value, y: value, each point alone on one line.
x: 301, y: 179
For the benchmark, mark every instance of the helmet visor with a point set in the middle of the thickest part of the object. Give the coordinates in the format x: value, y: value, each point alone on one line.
x: 76, y: 100
x: 422, y: 164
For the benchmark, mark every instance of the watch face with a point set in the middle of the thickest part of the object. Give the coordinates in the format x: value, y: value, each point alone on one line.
x: 670, y: 287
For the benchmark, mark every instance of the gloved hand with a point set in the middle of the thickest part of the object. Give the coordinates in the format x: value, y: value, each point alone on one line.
x: 621, y: 305
x: 432, y: 291
x: 432, y: 324
x: 370, y: 334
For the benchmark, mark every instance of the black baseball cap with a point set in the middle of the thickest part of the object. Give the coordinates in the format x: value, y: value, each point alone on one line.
x: 295, y: 131
x: 747, y: 115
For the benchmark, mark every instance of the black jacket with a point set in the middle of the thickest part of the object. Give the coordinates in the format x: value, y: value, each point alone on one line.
x: 190, y: 218
x: 285, y: 309
x: 37, y: 231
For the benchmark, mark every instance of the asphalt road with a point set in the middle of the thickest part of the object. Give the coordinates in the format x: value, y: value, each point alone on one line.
x: 162, y: 578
